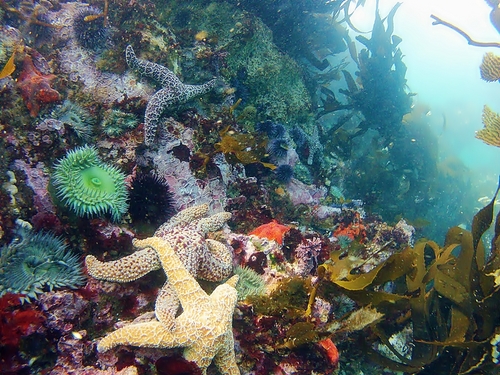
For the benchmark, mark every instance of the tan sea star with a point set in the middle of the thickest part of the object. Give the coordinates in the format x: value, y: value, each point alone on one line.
x: 204, y: 328
x: 203, y: 258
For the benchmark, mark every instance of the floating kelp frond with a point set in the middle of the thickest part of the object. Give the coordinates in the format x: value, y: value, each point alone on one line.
x: 490, y: 67
x: 247, y: 148
x: 490, y: 134
x: 9, y: 66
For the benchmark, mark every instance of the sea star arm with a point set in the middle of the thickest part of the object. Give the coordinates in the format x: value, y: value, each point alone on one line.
x: 159, y: 73
x: 126, y: 269
x: 154, y: 109
x: 182, y: 218
x: 217, y: 263
x: 166, y: 97
x: 188, y: 290
x: 166, y: 306
x: 225, y: 359
x: 213, y: 223
x: 171, y: 94
x: 149, y: 334
x: 191, y: 91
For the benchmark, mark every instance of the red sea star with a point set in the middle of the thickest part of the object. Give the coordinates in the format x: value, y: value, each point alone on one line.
x: 35, y: 87
x: 271, y: 231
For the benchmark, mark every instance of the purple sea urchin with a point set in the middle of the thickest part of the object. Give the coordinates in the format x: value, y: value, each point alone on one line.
x: 298, y: 136
x: 91, y: 34
x: 36, y: 262
x: 276, y: 130
x: 277, y: 148
x: 151, y: 200
x: 284, y: 173
x: 272, y: 129
x: 89, y: 186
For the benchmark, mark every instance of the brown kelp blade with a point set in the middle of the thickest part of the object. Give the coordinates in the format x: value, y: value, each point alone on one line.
x: 482, y: 220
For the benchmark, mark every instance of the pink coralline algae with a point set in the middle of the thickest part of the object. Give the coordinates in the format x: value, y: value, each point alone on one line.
x: 307, y: 254
x: 188, y: 190
x: 38, y: 180
x: 301, y: 193
x: 63, y: 310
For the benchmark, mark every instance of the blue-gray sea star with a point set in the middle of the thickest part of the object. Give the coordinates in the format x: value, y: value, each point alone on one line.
x: 173, y: 91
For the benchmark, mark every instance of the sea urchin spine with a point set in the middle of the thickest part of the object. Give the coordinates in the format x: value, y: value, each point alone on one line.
x: 284, y: 173
x: 90, y: 29
x: 151, y: 200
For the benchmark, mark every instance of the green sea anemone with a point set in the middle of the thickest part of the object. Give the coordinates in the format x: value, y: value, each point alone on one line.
x: 89, y: 186
x: 76, y: 117
x: 116, y: 122
x: 249, y: 284
x: 37, y: 262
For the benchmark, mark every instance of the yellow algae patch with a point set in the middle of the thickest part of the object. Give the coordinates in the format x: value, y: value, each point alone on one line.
x: 9, y: 67
x: 201, y: 35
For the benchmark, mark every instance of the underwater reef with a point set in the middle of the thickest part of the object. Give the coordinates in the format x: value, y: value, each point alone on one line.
x: 184, y: 189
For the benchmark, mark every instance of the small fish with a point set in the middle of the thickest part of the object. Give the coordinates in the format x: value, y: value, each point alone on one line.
x: 93, y: 17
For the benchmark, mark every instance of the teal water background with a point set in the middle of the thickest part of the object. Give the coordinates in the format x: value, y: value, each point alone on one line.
x: 444, y: 72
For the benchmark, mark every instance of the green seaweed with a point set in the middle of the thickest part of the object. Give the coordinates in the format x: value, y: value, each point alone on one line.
x: 299, y: 334
x: 246, y: 148
x: 289, y: 298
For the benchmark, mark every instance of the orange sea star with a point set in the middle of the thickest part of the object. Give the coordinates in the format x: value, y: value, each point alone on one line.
x: 35, y: 87
x: 354, y: 230
x: 271, y: 231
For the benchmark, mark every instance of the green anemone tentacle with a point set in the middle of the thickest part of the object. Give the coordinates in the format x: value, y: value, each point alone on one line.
x: 88, y: 186
x: 36, y: 262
